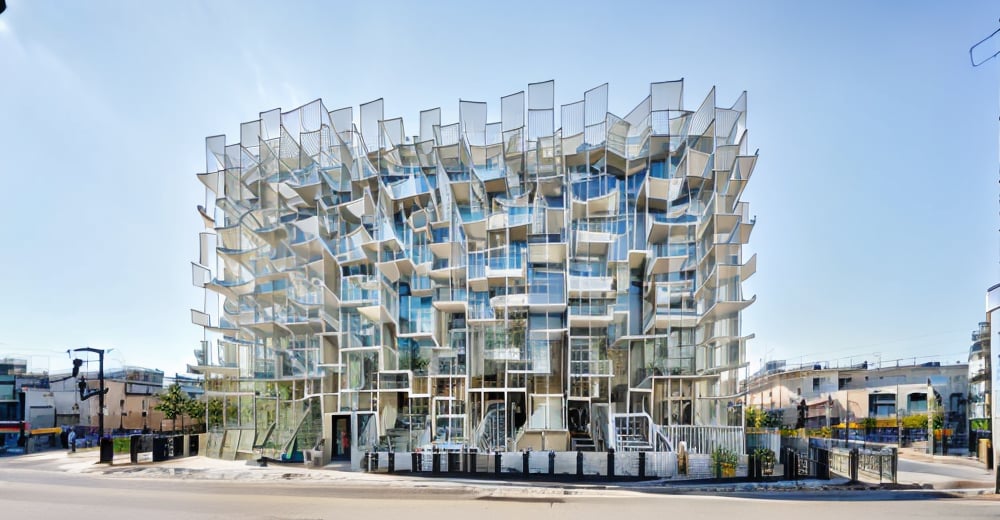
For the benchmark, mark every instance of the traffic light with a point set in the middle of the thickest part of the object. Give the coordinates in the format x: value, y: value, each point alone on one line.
x: 87, y: 394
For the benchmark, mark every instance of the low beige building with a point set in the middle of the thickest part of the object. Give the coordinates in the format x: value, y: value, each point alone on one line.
x: 838, y: 395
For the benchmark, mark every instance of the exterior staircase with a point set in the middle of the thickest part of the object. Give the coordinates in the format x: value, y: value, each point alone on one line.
x: 633, y: 432
x: 491, y: 432
x: 582, y: 441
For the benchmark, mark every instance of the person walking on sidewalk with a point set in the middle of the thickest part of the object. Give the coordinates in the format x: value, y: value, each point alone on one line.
x: 71, y: 438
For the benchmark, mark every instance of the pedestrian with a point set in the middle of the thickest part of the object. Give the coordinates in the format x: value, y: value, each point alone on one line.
x: 71, y: 438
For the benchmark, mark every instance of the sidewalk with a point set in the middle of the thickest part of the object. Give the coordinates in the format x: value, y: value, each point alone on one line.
x: 203, y: 468
x: 909, y: 454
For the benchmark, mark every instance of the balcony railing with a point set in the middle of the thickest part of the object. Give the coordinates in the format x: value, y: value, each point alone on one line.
x: 450, y: 294
x: 597, y: 367
x: 359, y: 289
x: 589, y: 309
x: 590, y: 283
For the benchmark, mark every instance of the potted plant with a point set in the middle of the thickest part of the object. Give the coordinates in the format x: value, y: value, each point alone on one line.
x: 724, y: 460
x: 765, y: 457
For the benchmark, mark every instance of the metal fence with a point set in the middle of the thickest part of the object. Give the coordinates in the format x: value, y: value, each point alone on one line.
x: 704, y: 439
x: 880, y: 465
x: 767, y: 438
x: 813, y: 458
x: 627, y: 465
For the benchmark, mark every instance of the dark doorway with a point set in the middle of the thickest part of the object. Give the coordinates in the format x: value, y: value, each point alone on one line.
x: 341, y: 438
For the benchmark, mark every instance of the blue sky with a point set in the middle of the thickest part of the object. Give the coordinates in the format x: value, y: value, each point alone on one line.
x: 875, y: 194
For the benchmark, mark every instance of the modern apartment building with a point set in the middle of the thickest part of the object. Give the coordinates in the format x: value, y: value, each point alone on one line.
x: 979, y: 379
x: 543, y: 281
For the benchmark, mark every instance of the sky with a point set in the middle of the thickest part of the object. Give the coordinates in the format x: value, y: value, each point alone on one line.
x: 875, y: 192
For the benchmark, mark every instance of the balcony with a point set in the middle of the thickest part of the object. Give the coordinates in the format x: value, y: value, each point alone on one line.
x: 394, y: 380
x: 590, y: 314
x: 359, y: 289
x: 580, y: 285
x: 592, y: 368
x: 450, y: 299
x: 508, y: 301
x: 671, y: 258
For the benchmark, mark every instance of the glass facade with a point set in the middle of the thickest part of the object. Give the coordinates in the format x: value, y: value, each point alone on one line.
x: 478, y: 281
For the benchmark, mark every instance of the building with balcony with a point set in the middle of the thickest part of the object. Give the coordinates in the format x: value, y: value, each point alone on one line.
x: 545, y: 280
x: 980, y: 379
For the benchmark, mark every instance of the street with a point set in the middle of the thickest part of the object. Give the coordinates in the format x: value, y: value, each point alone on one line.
x: 26, y: 492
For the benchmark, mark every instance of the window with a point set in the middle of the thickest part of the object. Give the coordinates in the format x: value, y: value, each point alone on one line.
x: 816, y: 384
x: 881, y: 405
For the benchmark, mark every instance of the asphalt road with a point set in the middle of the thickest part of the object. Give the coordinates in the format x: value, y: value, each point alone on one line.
x: 945, y: 474
x: 30, y: 493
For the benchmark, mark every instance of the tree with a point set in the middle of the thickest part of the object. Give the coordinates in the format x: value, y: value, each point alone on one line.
x: 869, y: 424
x: 915, y: 422
x: 196, y: 410
x: 173, y: 402
x: 214, y: 414
x: 774, y: 419
x: 754, y: 418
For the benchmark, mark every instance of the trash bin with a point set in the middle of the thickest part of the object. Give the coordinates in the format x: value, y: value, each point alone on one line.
x: 141, y: 448
x: 107, y: 450
x: 193, y: 446
x: 161, y: 449
x: 177, y: 450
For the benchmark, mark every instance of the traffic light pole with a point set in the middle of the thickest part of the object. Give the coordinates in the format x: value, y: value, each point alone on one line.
x: 100, y: 395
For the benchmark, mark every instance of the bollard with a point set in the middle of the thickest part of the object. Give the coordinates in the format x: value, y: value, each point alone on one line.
x: 470, y: 466
x: 611, y: 462
x: 133, y: 448
x: 392, y: 461
x: 895, y: 463
x: 454, y: 462
x: 436, y: 462
x: 496, y: 462
x: 552, y: 463
x: 524, y: 464
x: 415, y: 462
x: 854, y: 459
x: 823, y: 465
x: 579, y: 464
x: 642, y: 464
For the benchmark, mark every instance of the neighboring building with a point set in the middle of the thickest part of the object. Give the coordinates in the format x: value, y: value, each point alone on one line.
x: 193, y: 386
x: 11, y: 401
x: 522, y: 283
x: 26, y: 406
x: 841, y: 395
x: 980, y: 377
x: 130, y: 400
